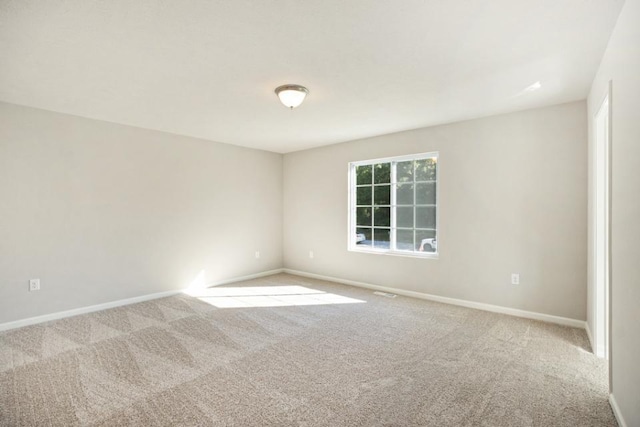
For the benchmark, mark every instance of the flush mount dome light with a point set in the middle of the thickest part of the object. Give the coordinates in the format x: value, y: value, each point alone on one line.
x: 291, y: 95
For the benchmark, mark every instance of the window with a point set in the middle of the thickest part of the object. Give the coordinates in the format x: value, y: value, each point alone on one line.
x: 393, y: 205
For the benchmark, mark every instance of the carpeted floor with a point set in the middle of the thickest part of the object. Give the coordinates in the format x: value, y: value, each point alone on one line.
x: 290, y: 351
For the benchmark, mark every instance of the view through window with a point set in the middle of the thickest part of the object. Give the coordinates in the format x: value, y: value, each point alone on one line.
x: 393, y: 205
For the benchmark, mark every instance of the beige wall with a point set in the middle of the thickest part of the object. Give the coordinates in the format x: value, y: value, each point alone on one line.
x: 621, y: 65
x: 101, y: 212
x: 513, y: 197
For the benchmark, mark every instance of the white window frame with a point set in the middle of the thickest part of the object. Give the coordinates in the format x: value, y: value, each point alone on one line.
x: 352, y: 226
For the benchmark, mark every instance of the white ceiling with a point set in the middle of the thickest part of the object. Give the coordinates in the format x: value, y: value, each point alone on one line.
x: 208, y: 68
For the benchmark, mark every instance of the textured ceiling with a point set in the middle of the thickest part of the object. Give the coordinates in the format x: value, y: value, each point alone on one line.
x: 208, y: 68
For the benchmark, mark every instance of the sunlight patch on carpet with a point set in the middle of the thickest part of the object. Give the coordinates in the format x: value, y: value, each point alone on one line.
x: 267, y: 296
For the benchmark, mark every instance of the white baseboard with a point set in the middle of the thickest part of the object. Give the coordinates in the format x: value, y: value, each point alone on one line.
x: 112, y: 304
x: 248, y: 277
x: 616, y: 411
x: 454, y: 301
x: 83, y: 310
x: 595, y: 349
x: 464, y: 303
x: 590, y: 336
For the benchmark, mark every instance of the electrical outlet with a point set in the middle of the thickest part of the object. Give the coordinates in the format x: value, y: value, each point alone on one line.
x: 257, y: 254
x: 310, y: 254
x: 34, y: 285
x: 515, y: 278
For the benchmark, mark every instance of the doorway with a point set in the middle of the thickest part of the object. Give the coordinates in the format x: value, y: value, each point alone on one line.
x: 602, y: 228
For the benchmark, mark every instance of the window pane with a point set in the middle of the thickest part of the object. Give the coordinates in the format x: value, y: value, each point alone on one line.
x: 363, y: 216
x: 364, y: 236
x: 382, y: 172
x: 382, y: 217
x: 413, y: 193
x: 363, y: 174
x: 363, y: 195
x: 404, y: 194
x: 426, y: 193
x: 381, y: 238
x: 404, y: 171
x: 382, y: 195
x: 404, y: 240
x: 426, y: 217
x: 404, y: 216
x: 426, y: 240
x: 426, y: 170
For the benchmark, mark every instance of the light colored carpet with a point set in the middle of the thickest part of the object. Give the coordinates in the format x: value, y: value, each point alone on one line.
x: 182, y: 361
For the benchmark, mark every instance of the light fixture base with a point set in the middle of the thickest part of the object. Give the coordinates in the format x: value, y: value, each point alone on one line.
x: 291, y: 95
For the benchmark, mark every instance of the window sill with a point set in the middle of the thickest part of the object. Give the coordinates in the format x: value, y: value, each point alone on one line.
x: 424, y: 255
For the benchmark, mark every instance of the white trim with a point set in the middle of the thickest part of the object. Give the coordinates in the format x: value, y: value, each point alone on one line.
x: 127, y: 301
x: 453, y: 301
x: 616, y: 411
x: 406, y: 254
x: 601, y: 291
x: 404, y: 158
x: 352, y: 205
x: 597, y: 351
x: 590, y: 336
x: 247, y: 277
x: 83, y: 310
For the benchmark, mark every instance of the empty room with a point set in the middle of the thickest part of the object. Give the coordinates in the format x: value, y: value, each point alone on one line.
x: 319, y: 213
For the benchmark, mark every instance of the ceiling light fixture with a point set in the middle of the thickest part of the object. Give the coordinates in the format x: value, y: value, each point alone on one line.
x: 291, y: 95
